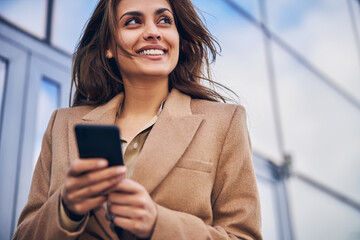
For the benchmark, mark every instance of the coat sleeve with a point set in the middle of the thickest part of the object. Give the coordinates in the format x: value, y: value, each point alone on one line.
x: 40, y: 217
x: 235, y: 199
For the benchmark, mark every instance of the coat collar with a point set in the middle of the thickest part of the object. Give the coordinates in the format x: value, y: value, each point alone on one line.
x: 105, y: 113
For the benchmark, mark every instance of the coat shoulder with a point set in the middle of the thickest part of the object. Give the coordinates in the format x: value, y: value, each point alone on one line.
x: 216, y: 109
x: 61, y: 116
x: 73, y: 112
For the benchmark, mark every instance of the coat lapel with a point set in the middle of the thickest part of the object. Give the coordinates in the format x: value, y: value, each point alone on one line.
x: 167, y: 141
x: 104, y: 114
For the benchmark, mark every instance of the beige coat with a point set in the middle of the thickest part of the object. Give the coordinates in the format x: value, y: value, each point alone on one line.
x: 196, y: 165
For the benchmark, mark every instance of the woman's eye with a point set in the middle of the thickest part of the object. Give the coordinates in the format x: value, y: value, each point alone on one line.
x: 165, y: 20
x: 132, y: 21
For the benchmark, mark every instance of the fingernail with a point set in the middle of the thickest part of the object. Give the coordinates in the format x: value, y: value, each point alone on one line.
x: 102, y: 163
x: 120, y: 170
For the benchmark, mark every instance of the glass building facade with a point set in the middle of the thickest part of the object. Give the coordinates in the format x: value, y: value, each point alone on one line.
x: 295, y: 66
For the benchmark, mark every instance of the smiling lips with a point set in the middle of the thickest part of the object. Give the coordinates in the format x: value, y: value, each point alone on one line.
x: 152, y: 50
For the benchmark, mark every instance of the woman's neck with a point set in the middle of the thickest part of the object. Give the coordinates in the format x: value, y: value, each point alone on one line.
x: 142, y: 99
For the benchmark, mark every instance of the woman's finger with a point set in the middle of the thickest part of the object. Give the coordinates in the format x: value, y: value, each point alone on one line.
x: 127, y: 211
x: 95, y: 189
x: 81, y: 166
x: 127, y: 199
x: 91, y: 178
x: 129, y: 186
x: 84, y: 206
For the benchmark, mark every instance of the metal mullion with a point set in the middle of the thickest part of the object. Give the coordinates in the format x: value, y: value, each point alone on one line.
x: 284, y: 213
x: 285, y: 221
x: 272, y: 79
x: 2, y: 106
x: 21, y: 144
x: 49, y: 14
x: 328, y: 191
x: 242, y: 12
x: 354, y: 26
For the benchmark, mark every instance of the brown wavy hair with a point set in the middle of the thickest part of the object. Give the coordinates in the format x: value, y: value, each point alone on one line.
x: 97, y: 79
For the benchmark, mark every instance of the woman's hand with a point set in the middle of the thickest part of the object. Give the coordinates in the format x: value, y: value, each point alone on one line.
x: 133, y: 208
x: 87, y: 183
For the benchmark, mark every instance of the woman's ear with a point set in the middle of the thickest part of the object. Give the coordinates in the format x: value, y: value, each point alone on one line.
x: 109, y: 54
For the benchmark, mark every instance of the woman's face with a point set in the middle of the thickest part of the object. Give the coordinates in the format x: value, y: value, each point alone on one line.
x: 146, y: 29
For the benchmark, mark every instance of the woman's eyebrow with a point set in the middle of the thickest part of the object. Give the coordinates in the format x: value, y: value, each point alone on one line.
x: 161, y: 10
x: 133, y: 13
x: 139, y: 14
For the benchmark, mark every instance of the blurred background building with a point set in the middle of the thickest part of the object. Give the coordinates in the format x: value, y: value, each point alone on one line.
x: 295, y: 65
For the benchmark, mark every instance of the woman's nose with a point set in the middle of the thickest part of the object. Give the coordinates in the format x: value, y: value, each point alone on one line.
x: 151, y: 32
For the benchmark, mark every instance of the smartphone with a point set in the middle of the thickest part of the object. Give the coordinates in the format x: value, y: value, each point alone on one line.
x: 99, y: 141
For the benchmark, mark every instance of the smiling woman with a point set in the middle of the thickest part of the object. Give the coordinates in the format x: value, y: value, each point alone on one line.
x: 188, y: 172
x: 149, y: 41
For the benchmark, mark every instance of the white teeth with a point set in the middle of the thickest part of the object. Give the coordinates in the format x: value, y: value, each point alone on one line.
x: 152, y: 52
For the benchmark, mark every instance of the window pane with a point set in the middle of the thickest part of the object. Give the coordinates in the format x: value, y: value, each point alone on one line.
x: 249, y: 6
x: 322, y: 32
x: 317, y: 215
x: 268, y: 210
x: 242, y: 68
x: 68, y: 21
x: 48, y: 101
x: 321, y: 128
x: 2, y: 85
x: 28, y: 15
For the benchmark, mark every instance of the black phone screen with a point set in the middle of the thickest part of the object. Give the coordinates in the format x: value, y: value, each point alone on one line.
x: 99, y: 141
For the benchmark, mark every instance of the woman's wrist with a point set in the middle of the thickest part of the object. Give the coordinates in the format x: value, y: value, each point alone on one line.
x: 71, y: 215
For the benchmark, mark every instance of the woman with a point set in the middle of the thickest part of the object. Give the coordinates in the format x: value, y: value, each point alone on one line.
x: 188, y: 158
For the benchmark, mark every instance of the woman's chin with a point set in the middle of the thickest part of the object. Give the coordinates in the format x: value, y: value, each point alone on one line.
x: 153, y: 72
